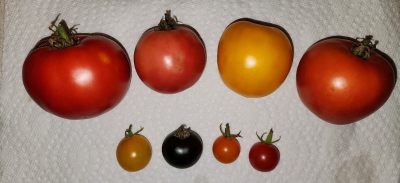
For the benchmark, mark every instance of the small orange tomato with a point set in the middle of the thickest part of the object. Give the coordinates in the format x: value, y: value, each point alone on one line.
x: 254, y: 57
x: 226, y: 148
x: 133, y: 151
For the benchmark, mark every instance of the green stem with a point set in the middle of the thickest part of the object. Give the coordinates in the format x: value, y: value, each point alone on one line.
x: 62, y: 36
x: 64, y: 32
x: 128, y: 132
x: 182, y: 132
x: 168, y: 22
x: 364, y: 47
x: 227, y: 132
x: 268, y: 140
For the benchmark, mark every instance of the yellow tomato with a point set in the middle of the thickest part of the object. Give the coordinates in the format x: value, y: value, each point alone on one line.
x: 133, y: 151
x: 254, y: 58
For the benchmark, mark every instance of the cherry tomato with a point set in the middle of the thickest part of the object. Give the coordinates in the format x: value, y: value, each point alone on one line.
x: 264, y: 155
x: 254, y: 57
x: 170, y: 57
x: 182, y: 148
x: 133, y: 151
x: 76, y: 76
x: 226, y: 148
x: 343, y: 80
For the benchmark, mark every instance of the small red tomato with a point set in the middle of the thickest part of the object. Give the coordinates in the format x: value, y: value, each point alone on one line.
x: 170, y: 57
x: 264, y: 155
x: 76, y: 76
x: 226, y: 148
x: 343, y: 80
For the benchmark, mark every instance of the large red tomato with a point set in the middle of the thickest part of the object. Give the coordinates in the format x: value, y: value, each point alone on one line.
x: 343, y: 80
x: 76, y: 76
x: 170, y: 57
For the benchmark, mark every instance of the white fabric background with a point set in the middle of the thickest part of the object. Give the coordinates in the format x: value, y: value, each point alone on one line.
x: 36, y: 146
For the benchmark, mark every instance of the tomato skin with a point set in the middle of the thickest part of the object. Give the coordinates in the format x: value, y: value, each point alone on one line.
x: 264, y: 157
x: 134, y: 153
x: 226, y: 149
x: 80, y: 81
x: 254, y: 57
x: 182, y: 152
x: 170, y: 61
x: 342, y: 88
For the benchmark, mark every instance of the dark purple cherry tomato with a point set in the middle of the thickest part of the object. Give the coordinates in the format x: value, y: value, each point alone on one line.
x: 182, y: 148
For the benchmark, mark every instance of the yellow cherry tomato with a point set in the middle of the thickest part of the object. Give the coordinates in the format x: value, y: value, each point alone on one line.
x: 133, y: 151
x: 254, y: 57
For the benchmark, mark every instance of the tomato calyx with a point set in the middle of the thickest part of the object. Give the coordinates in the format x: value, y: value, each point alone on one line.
x: 364, y: 46
x: 268, y: 139
x: 62, y: 36
x: 227, y: 132
x: 182, y: 132
x: 168, y: 22
x: 129, y: 133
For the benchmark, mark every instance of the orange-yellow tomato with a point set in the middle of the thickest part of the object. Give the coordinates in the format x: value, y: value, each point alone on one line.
x: 226, y: 149
x: 254, y: 57
x: 134, y: 152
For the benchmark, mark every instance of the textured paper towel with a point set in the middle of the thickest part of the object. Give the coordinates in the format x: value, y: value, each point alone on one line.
x: 36, y: 146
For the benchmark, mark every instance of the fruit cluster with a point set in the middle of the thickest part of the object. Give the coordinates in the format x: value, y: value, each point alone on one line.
x: 80, y: 75
x: 183, y: 147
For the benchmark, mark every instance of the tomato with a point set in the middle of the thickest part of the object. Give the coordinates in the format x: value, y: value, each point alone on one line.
x: 182, y: 148
x: 254, y: 57
x: 170, y: 57
x: 226, y: 148
x: 133, y: 151
x: 343, y: 80
x: 264, y: 155
x: 76, y: 76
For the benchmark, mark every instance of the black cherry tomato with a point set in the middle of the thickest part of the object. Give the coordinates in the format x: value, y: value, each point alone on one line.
x: 182, y: 148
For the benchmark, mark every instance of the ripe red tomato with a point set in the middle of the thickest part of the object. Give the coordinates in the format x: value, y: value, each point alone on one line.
x: 343, y: 80
x: 170, y: 57
x: 226, y: 148
x: 264, y: 155
x: 76, y: 76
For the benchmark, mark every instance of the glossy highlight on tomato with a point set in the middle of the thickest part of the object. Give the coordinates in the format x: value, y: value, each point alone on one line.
x: 76, y: 76
x: 254, y: 57
x: 133, y: 151
x: 343, y: 80
x: 170, y: 58
x: 226, y: 148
